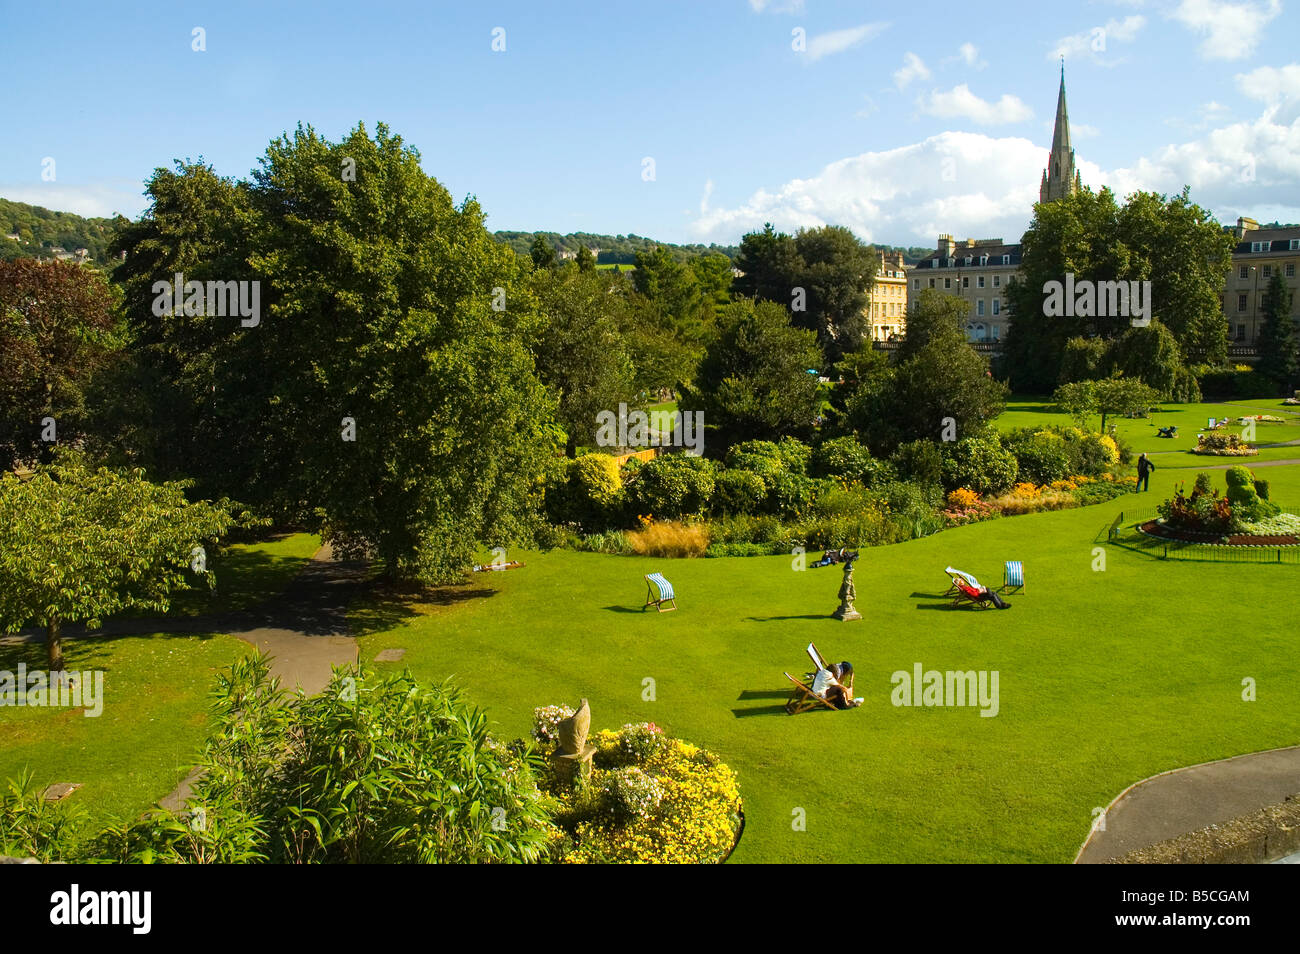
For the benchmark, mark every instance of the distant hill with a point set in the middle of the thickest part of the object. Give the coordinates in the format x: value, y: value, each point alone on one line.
x: 622, y: 249
x: 40, y: 231
x: 609, y: 249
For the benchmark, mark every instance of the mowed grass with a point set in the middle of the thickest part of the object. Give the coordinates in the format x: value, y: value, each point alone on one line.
x: 156, y: 693
x: 1106, y: 677
x: 1191, y: 419
x: 151, y: 729
x: 250, y: 573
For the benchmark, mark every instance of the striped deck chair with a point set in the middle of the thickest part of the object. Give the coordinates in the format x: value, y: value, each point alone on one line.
x: 658, y: 592
x: 1014, y: 576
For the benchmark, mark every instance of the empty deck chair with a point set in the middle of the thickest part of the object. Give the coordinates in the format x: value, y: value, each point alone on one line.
x: 658, y: 593
x: 1013, y: 576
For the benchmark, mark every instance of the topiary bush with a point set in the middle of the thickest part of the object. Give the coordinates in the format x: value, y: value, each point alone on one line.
x: 1246, y: 503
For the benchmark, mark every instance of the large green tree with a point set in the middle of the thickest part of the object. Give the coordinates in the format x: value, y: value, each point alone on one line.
x: 1279, y: 337
x: 943, y: 391
x: 58, y: 329
x: 1172, y: 243
x: 753, y: 382
x: 79, y: 543
x: 581, y: 353
x: 822, y: 276
x: 386, y: 391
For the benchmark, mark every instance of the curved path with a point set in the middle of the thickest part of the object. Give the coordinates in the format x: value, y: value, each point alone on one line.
x: 1189, y: 799
x: 304, y: 628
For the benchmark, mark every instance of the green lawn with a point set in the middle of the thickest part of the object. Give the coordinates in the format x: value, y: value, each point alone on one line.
x: 156, y: 688
x: 1105, y: 677
x: 1140, y: 433
x: 150, y: 731
x: 250, y: 573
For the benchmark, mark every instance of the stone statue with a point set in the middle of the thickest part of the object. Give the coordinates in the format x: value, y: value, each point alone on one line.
x: 573, y: 755
x: 848, y: 594
x: 573, y: 730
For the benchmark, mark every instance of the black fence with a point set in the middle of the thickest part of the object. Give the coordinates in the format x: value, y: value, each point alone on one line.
x: 1128, y: 536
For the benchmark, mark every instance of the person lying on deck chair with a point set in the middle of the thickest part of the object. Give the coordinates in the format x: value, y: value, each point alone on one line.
x: 835, y: 685
x: 831, y: 557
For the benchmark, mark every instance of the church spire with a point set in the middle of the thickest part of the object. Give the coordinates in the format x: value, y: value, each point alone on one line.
x: 1060, y: 178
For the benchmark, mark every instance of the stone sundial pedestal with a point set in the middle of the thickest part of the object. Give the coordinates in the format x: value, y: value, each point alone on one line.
x: 848, y: 594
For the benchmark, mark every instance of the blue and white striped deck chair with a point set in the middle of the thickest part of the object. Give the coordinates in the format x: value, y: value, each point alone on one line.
x: 658, y: 593
x: 1014, y: 577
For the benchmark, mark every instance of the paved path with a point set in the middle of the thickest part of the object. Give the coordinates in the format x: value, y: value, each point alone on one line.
x: 304, y: 629
x: 1188, y: 799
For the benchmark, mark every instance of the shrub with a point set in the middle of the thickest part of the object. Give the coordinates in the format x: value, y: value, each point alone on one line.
x: 631, y: 793
x: 30, y: 825
x: 920, y: 461
x: 961, y: 497
x: 980, y: 463
x: 591, y: 494
x: 1223, y: 384
x: 673, y: 486
x: 759, y: 457
x: 373, y: 769
x: 669, y: 540
x: 741, y: 550
x: 693, y: 819
x: 739, y: 492
x: 847, y: 459
x: 748, y: 529
x: 546, y: 723
x: 1261, y: 488
x: 792, y: 495
x: 795, y: 455
x: 1041, y: 456
x: 1223, y: 445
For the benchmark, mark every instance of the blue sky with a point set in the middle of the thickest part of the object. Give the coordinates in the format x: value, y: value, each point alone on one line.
x: 899, y: 121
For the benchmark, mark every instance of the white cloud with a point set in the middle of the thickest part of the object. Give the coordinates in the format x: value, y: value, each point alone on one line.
x: 837, y: 41
x: 1232, y: 30
x: 788, y: 6
x: 704, y: 199
x: 868, y: 107
x: 1093, y: 42
x: 1270, y: 83
x: 958, y: 182
x: 913, y: 68
x: 969, y: 54
x: 97, y: 200
x: 960, y: 102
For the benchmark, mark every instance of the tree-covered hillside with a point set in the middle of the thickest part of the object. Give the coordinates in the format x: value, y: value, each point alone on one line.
x: 40, y: 231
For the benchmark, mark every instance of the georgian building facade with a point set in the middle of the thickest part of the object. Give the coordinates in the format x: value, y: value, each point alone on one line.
x: 887, y: 304
x: 976, y: 270
x: 1259, y: 255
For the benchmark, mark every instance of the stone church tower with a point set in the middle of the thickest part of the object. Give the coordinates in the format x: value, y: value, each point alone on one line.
x: 1060, y: 178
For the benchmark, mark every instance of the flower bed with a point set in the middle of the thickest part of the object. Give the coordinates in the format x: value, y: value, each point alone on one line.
x: 1158, y: 528
x: 650, y: 798
x: 1223, y: 445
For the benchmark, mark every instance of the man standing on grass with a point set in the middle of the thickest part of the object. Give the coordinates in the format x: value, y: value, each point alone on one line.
x: 1144, y: 473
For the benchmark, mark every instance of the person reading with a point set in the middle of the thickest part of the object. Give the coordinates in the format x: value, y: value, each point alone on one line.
x: 834, y: 683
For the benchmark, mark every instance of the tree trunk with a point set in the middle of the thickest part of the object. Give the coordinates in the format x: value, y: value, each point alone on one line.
x: 53, y: 645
